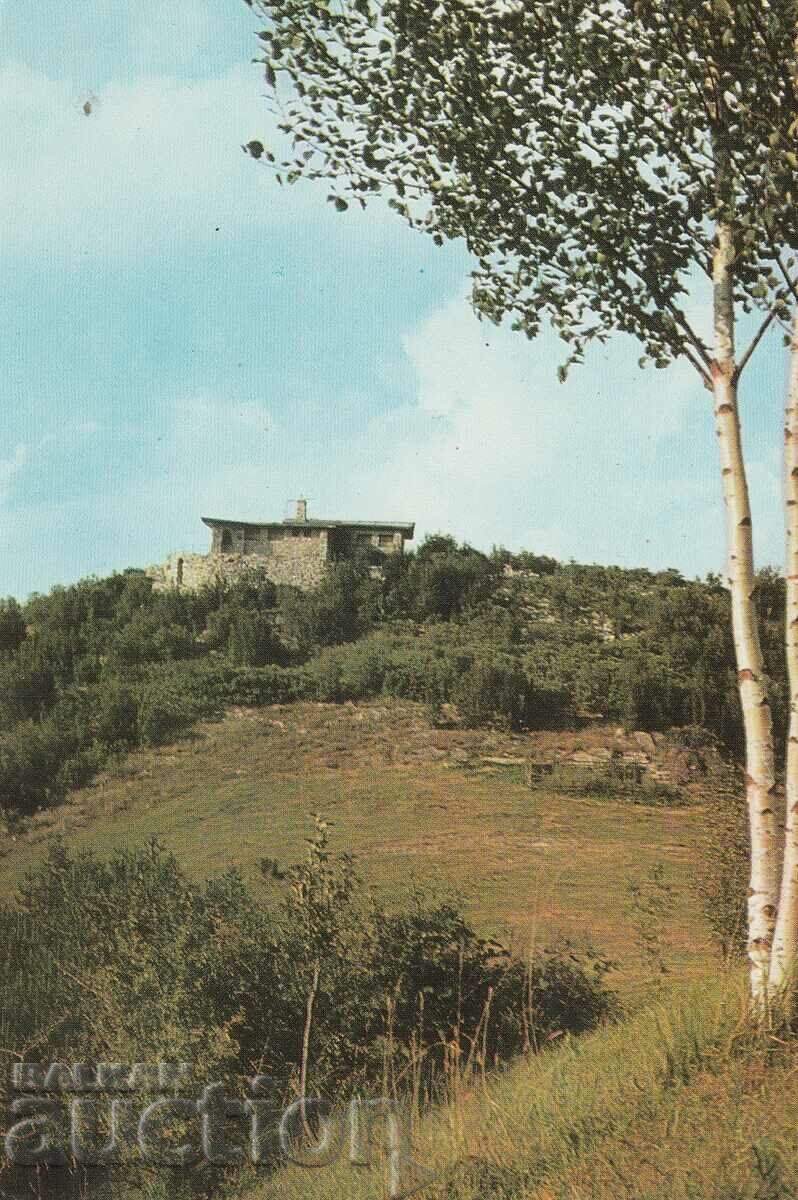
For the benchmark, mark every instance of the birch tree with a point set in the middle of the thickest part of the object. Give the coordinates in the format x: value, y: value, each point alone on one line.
x: 782, y: 965
x: 608, y: 165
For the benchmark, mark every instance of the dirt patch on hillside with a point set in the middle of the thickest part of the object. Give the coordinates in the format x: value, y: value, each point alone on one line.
x: 336, y: 736
x: 320, y: 739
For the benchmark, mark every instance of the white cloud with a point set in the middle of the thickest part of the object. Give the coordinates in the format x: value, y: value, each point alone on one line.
x: 213, y: 459
x: 152, y: 160
x: 496, y: 450
x: 10, y: 467
x: 157, y: 162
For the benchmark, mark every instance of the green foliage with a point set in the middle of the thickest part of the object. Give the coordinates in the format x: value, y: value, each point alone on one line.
x: 340, y: 609
x: 107, y: 665
x: 499, y: 693
x: 31, y: 755
x: 27, y: 686
x: 538, y: 564
x: 164, y: 711
x: 138, y: 958
x: 441, y: 580
x: 583, y: 150
x: 650, y: 696
x: 12, y: 626
x: 136, y: 962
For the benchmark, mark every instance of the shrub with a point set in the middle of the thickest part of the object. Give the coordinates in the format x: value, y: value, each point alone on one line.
x: 30, y: 756
x: 115, y: 714
x: 146, y: 638
x: 493, y: 693
x: 148, y: 955
x: 442, y: 580
x: 164, y: 711
x: 213, y: 683
x: 355, y: 672
x: 27, y: 688
x: 500, y: 693
x: 138, y: 962
x: 12, y: 626
x: 342, y: 608
x: 80, y: 768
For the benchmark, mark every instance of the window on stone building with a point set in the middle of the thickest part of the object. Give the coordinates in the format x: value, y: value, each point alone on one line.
x: 386, y: 539
x: 227, y: 541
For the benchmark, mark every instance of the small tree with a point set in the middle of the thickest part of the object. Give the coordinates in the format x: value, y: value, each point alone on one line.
x: 12, y: 626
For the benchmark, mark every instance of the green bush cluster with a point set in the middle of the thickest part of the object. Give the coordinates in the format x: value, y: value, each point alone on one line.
x: 130, y: 960
x: 91, y: 670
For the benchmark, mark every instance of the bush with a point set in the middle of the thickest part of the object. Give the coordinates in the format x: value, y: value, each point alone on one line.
x: 12, y: 626
x: 80, y: 768
x: 500, y: 693
x: 493, y: 693
x: 27, y: 688
x: 148, y: 956
x: 214, y: 683
x: 115, y: 715
x: 342, y: 608
x: 139, y: 962
x: 441, y: 581
x: 30, y: 757
x: 164, y: 711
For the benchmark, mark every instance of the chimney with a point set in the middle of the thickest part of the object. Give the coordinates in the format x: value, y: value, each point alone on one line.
x: 301, y: 510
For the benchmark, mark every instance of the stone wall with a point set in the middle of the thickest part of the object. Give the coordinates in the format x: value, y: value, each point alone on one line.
x: 297, y: 562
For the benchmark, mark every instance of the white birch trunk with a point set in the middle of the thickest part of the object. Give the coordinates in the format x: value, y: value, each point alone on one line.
x: 760, y: 775
x: 785, y: 941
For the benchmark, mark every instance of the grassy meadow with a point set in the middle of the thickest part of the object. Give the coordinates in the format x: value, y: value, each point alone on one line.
x: 411, y: 802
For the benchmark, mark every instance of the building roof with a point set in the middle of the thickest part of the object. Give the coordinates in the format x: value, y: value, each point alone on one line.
x: 406, y: 527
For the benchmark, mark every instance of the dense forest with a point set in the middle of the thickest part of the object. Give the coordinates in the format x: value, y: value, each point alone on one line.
x: 519, y: 640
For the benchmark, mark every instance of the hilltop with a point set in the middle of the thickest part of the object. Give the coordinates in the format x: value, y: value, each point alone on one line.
x: 91, y: 671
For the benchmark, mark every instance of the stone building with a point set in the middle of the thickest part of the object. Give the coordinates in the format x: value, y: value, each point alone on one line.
x: 294, y: 551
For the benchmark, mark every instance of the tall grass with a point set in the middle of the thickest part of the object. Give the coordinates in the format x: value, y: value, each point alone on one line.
x: 516, y: 1134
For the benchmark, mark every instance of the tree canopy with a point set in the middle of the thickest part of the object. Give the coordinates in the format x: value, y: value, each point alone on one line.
x: 582, y: 148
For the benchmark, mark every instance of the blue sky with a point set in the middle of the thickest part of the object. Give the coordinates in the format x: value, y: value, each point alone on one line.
x: 182, y: 338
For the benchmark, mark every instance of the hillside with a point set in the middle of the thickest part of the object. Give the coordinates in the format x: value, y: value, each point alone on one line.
x: 516, y: 757
x: 679, y: 1102
x: 411, y: 801
x: 89, y: 672
x: 470, y: 719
